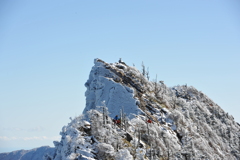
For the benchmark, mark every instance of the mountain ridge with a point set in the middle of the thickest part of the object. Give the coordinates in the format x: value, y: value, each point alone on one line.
x: 186, y: 124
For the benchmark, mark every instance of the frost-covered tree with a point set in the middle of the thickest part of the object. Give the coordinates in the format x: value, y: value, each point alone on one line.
x: 147, y: 74
x: 123, y: 154
x: 105, y: 114
x: 105, y: 151
x: 143, y: 69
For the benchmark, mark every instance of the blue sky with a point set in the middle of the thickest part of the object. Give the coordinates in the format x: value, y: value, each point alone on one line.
x: 47, y: 50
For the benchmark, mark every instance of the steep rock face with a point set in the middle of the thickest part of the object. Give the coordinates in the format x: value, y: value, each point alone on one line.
x: 102, y: 86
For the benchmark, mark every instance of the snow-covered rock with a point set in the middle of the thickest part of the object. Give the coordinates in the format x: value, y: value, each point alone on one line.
x: 157, y: 122
x: 103, y: 86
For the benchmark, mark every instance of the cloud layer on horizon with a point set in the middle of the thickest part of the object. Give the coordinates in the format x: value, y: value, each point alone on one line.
x: 5, y: 138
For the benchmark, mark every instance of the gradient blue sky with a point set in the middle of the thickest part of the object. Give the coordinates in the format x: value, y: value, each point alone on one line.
x: 47, y: 50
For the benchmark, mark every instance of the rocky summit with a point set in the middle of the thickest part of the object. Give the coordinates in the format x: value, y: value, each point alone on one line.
x: 128, y: 117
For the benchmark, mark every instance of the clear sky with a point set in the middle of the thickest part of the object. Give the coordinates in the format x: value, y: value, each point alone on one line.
x: 47, y: 50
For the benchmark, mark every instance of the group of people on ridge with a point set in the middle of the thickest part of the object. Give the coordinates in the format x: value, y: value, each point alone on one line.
x: 117, y: 120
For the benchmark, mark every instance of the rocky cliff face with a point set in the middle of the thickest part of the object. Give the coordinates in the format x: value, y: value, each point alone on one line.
x: 105, y: 84
x: 186, y: 124
x: 157, y: 122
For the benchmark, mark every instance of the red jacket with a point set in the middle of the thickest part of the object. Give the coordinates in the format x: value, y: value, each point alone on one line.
x: 149, y: 121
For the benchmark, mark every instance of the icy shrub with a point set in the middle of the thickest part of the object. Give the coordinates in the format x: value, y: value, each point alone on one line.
x: 139, y: 125
x: 72, y: 156
x: 105, y: 151
x: 123, y: 154
x: 140, y: 153
x: 177, y: 117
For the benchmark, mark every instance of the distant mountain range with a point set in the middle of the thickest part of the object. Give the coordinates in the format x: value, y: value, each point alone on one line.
x: 153, y: 122
x: 33, y: 154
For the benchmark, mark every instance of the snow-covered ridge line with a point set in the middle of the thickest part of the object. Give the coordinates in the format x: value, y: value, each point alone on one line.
x: 157, y: 122
x: 183, y: 108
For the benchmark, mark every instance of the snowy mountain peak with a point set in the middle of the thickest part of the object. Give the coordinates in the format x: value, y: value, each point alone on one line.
x: 185, y: 122
x: 154, y: 121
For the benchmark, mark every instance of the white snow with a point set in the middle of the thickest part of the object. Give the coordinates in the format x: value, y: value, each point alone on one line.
x: 186, y: 123
x: 101, y: 87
